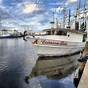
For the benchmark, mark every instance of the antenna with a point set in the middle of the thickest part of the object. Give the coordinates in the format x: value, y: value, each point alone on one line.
x: 69, y: 18
x: 53, y: 18
x: 79, y: 2
x: 78, y: 8
x: 56, y: 23
x: 77, y: 15
x: 84, y: 4
x: 52, y: 23
x: 64, y: 18
x: 85, y: 14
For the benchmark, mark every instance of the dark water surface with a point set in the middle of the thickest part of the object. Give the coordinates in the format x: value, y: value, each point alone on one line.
x: 17, y: 59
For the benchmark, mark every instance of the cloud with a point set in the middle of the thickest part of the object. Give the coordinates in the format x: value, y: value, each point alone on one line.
x: 56, y: 3
x: 0, y: 1
x: 38, y: 22
x: 4, y: 13
x: 36, y: 14
x: 72, y: 1
x: 24, y: 10
x: 29, y: 8
x: 59, y: 9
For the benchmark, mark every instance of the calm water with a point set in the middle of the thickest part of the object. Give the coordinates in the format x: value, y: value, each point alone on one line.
x: 17, y: 59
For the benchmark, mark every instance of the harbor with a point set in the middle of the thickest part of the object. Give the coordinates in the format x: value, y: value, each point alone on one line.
x: 14, y: 67
x: 42, y: 72
x: 43, y: 44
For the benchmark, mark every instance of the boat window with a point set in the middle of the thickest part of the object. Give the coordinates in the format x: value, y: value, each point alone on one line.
x: 62, y: 33
x: 68, y: 35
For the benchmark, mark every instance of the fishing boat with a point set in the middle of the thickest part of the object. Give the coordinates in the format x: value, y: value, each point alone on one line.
x: 65, y: 42
x: 59, y: 49
x: 58, y: 53
x: 62, y: 41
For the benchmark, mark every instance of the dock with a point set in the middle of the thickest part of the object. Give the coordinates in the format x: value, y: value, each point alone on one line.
x: 83, y: 83
x: 84, y: 79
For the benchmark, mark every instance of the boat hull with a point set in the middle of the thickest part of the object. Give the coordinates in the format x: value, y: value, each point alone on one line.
x: 49, y: 50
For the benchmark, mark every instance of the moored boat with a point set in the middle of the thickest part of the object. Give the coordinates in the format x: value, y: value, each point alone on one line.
x: 60, y: 45
x: 58, y: 54
x: 10, y: 34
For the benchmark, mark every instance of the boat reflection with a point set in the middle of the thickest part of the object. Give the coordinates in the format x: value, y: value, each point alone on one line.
x: 55, y: 67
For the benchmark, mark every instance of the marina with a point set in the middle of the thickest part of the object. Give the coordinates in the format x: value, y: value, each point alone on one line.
x: 42, y: 71
x: 43, y: 43
x: 11, y: 34
x: 14, y: 67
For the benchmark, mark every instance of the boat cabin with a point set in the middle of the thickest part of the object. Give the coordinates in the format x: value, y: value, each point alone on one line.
x: 69, y: 34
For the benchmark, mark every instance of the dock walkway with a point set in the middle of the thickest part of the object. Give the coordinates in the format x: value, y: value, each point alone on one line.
x: 84, y: 78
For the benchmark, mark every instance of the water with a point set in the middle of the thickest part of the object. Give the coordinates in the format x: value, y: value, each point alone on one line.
x: 17, y: 59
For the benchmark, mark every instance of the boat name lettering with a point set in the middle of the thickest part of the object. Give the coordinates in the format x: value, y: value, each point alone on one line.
x: 49, y: 42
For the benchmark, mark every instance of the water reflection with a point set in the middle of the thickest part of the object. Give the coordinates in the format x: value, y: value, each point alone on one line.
x: 17, y: 58
x: 55, y: 67
x: 54, y: 72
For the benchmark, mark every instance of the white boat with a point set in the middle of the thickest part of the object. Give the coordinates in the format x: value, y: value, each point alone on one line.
x: 58, y: 54
x: 59, y: 45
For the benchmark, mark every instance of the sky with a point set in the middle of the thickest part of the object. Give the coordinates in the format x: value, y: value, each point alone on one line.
x: 37, y: 14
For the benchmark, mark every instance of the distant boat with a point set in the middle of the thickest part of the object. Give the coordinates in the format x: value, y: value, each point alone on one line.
x: 6, y: 34
x: 10, y: 36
